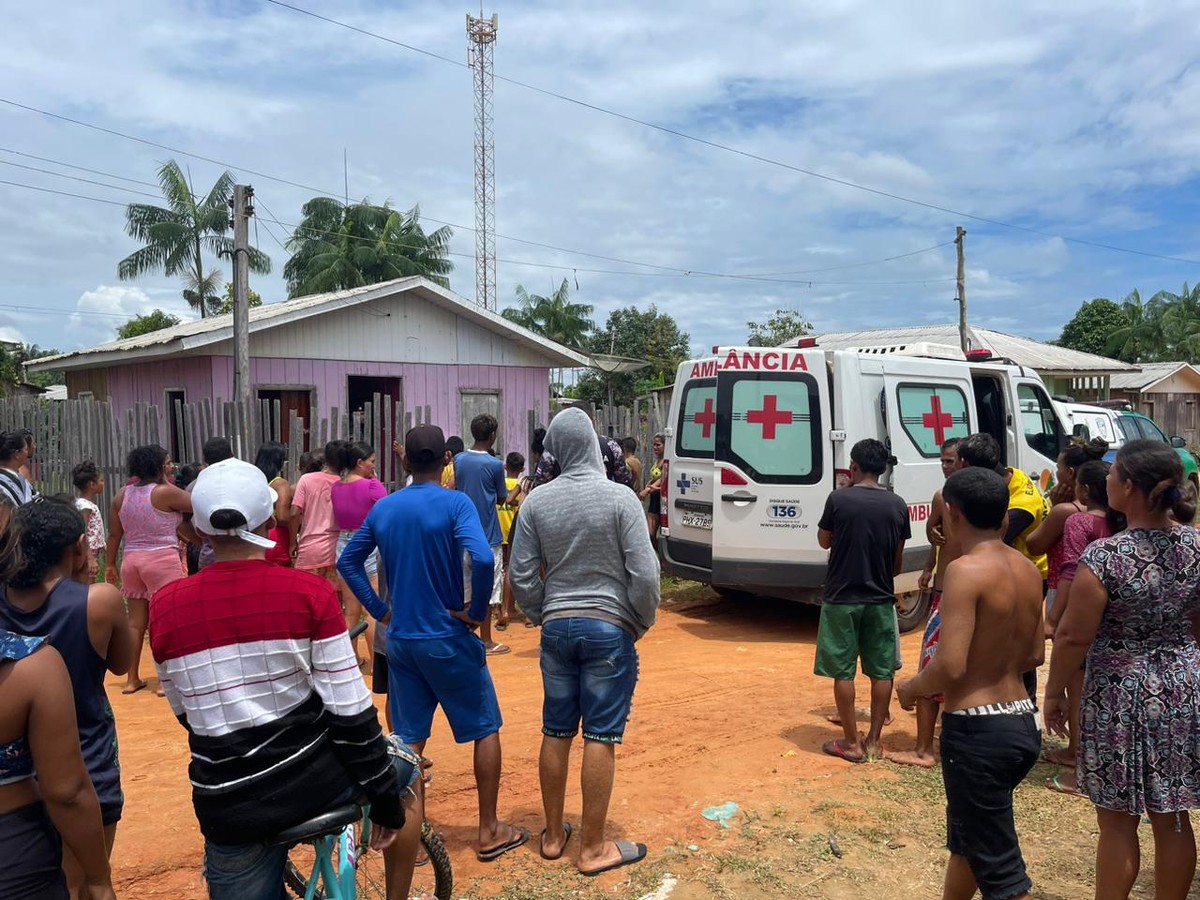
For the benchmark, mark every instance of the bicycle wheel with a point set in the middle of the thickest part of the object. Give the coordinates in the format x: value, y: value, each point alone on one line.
x: 296, y: 871
x: 436, y: 878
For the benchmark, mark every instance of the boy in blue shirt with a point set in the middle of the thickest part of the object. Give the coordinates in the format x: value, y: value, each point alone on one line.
x: 481, y: 477
x: 434, y: 656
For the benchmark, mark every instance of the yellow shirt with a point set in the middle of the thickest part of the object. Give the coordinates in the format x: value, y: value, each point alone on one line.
x: 1024, y: 495
x: 505, y: 512
x: 448, y: 476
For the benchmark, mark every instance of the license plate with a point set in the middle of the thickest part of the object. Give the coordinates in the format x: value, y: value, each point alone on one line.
x: 696, y: 520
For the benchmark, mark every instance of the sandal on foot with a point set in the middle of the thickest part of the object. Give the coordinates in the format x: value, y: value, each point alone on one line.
x: 1055, y: 784
x: 521, y: 836
x: 567, y: 830
x: 498, y: 649
x: 838, y: 748
x: 630, y: 854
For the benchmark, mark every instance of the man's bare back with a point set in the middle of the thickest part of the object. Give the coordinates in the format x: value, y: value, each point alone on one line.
x: 991, y: 624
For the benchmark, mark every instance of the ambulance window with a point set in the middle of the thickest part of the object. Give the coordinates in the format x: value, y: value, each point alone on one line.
x: 932, y: 414
x: 697, y: 426
x: 773, y: 426
x: 1039, y: 421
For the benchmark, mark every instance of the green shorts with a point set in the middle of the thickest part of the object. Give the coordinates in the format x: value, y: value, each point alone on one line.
x: 852, y: 630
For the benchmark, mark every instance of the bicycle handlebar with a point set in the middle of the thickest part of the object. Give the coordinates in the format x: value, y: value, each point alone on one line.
x: 358, y: 629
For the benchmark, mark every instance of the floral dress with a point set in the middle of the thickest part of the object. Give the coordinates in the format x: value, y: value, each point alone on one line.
x: 1139, y: 743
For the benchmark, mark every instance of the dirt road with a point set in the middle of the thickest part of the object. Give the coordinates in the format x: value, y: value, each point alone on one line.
x: 727, y: 709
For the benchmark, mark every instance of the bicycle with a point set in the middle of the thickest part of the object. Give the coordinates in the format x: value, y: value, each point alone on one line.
x: 334, y: 849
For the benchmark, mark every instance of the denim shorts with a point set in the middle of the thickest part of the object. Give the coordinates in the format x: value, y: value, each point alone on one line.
x: 451, y: 672
x: 589, y: 671
x: 255, y: 871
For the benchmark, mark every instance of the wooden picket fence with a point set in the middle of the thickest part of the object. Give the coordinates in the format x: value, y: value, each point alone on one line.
x: 71, y: 431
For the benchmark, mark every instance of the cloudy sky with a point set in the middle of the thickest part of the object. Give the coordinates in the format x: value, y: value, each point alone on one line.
x: 1077, y: 122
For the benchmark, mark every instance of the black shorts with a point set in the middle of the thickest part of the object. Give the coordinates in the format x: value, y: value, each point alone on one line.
x: 655, y: 504
x: 32, y: 867
x: 379, y: 673
x: 983, y: 759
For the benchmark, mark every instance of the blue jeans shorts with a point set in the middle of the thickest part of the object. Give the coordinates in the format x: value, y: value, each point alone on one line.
x: 589, y: 671
x: 451, y: 672
x: 255, y: 871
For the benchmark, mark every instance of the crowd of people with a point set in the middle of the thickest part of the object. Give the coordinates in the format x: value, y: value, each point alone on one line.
x: 248, y: 587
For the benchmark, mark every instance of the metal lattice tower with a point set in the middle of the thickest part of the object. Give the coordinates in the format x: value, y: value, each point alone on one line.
x: 482, y: 35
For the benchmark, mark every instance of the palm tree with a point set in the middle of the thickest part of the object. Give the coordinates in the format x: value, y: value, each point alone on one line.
x: 177, y: 236
x: 338, y: 246
x: 1142, y: 339
x: 554, y: 317
x: 1181, y: 322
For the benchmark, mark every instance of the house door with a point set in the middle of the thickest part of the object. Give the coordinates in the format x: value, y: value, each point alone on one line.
x: 291, y: 400
x: 175, y: 424
x: 361, y: 390
x: 478, y: 403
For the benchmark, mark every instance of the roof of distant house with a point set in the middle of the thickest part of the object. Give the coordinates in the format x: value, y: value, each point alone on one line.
x: 214, y: 329
x: 1025, y: 351
x: 1150, y: 375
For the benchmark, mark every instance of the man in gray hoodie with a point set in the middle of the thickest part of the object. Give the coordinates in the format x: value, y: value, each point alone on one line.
x: 582, y: 567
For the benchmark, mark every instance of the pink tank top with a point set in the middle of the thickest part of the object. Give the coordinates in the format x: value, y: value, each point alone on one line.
x: 146, y: 526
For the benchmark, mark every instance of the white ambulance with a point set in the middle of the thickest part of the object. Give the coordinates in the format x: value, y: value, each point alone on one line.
x: 758, y: 437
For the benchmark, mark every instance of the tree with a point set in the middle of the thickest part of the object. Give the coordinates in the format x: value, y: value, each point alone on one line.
x: 554, y: 317
x: 337, y: 246
x: 151, y: 321
x: 783, y: 326
x: 227, y: 303
x: 178, y: 236
x: 1141, y: 339
x: 640, y: 334
x: 1180, y: 323
x: 30, y: 352
x: 1090, y: 327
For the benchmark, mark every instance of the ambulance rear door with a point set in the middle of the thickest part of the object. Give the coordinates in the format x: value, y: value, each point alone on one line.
x: 773, y: 468
x: 926, y: 402
x: 688, y: 495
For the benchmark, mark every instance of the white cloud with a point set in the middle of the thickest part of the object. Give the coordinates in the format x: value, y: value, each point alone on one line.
x: 100, y: 311
x: 11, y: 335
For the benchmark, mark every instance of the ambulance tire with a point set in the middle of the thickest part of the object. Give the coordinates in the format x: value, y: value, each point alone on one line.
x: 733, y: 594
x: 912, y: 609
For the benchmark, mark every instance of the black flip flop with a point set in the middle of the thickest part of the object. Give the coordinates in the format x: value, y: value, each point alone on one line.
x: 567, y: 830
x: 497, y: 852
x: 630, y: 854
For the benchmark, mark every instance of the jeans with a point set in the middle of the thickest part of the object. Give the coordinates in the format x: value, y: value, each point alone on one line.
x: 589, y: 671
x: 244, y: 871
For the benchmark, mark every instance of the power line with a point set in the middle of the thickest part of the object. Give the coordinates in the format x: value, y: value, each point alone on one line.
x: 332, y: 195
x: 59, y: 162
x: 115, y: 187
x: 737, y: 151
x: 44, y: 190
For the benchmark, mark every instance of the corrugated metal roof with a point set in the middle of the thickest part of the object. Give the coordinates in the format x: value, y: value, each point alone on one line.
x: 1151, y: 374
x: 1026, y: 351
x: 200, y: 332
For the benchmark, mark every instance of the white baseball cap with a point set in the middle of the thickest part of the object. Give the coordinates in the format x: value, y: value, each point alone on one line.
x: 233, y: 485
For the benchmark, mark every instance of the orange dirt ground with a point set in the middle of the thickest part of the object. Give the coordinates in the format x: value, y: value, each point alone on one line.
x: 727, y: 708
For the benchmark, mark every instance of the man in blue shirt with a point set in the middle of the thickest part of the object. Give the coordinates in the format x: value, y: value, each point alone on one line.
x: 480, y: 476
x: 434, y: 656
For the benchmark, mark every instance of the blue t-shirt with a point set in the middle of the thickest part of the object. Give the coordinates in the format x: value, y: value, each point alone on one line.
x: 422, y: 533
x: 480, y: 476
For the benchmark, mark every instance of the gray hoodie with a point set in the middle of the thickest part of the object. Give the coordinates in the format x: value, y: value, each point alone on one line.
x: 590, y: 537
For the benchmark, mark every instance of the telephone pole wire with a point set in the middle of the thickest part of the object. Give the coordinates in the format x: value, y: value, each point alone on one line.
x: 242, y: 211
x: 959, y: 240
x: 482, y: 34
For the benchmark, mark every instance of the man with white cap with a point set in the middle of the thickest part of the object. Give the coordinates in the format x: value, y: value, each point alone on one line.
x: 257, y: 664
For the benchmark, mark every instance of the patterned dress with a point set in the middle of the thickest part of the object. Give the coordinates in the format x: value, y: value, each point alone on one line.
x: 1139, y: 747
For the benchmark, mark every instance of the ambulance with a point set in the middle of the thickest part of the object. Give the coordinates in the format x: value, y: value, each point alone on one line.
x: 756, y: 439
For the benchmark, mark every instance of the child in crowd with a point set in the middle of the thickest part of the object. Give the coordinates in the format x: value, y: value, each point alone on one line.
x: 184, y: 477
x: 89, y: 484
x: 514, y: 466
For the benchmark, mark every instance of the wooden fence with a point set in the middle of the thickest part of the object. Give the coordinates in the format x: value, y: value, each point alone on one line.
x: 70, y: 431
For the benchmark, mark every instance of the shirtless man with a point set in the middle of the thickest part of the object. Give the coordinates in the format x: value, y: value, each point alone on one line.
x: 991, y: 634
x: 944, y: 551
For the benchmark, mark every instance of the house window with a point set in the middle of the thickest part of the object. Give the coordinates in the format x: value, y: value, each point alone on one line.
x: 362, y: 389
x: 176, y: 436
x: 477, y: 403
x: 296, y: 400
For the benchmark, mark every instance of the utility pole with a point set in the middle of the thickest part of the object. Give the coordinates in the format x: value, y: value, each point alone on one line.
x: 242, y: 211
x: 959, y: 239
x: 482, y: 34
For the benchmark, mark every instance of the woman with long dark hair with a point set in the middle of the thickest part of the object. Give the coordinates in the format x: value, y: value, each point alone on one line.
x: 352, y: 497
x: 46, y: 597
x: 1134, y: 613
x: 271, y: 459
x: 653, y: 488
x: 60, y: 807
x: 146, y: 515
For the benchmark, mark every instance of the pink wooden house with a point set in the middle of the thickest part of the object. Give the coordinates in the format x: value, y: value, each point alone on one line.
x: 409, y: 339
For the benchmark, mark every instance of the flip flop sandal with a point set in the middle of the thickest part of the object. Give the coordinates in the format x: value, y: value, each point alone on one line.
x: 630, y: 854
x: 497, y: 852
x: 1055, y: 784
x: 835, y: 748
x: 498, y: 649
x: 502, y: 626
x: 568, y: 831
